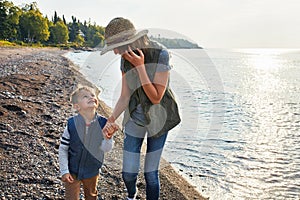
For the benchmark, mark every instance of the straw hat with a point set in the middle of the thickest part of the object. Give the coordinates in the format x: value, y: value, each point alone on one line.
x: 120, y: 32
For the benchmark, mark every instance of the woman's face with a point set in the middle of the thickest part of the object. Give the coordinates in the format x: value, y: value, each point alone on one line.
x: 116, y: 51
x: 120, y: 50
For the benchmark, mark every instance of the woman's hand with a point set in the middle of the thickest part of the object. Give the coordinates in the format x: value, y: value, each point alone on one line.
x: 135, y: 59
x: 154, y: 89
x: 109, y: 129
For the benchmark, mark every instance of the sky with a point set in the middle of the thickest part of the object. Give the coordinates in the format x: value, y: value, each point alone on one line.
x: 209, y: 23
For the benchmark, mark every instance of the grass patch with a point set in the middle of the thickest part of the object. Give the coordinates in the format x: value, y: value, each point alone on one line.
x: 6, y: 43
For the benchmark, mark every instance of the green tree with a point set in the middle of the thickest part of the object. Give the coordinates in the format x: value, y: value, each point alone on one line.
x: 79, y: 40
x: 56, y: 18
x: 33, y: 26
x: 64, y: 20
x: 59, y: 33
x: 3, y: 20
x: 94, y: 34
x: 97, y: 39
x: 9, y: 20
x: 73, y: 29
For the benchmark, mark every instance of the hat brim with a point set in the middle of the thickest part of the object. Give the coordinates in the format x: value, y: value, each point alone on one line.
x: 108, y: 48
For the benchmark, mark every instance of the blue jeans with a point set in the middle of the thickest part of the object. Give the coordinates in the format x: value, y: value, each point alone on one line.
x: 134, y: 137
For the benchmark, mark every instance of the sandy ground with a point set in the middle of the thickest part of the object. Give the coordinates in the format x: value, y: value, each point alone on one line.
x: 35, y: 87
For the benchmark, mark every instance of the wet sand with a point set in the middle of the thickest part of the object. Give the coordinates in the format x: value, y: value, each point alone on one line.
x: 35, y: 87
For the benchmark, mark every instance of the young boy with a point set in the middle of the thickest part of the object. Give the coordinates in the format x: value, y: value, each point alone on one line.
x: 83, y: 144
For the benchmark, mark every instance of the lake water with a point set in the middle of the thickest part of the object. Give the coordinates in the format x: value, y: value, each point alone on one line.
x: 240, y: 131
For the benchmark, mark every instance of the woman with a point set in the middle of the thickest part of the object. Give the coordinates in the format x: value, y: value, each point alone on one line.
x: 146, y: 98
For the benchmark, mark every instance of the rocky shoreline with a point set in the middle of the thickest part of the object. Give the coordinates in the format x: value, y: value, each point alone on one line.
x: 35, y: 87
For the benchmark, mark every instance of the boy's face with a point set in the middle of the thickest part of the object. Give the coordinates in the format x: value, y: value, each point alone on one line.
x: 86, y: 100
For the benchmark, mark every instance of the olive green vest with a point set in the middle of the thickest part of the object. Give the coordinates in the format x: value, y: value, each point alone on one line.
x: 161, y: 117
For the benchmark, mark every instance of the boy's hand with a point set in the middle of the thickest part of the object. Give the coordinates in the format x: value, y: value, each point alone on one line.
x: 109, y: 129
x: 67, y: 178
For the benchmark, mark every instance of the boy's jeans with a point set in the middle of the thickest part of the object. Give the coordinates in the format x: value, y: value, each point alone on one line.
x: 134, y: 136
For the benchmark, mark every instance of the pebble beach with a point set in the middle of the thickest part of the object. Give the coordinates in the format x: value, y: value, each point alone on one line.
x: 35, y: 87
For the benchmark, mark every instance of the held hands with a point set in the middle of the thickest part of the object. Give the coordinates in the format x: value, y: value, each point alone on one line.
x: 135, y: 59
x: 67, y: 178
x: 109, y: 129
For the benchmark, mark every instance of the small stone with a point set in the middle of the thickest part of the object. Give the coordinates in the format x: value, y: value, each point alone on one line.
x: 12, y: 107
x: 22, y: 113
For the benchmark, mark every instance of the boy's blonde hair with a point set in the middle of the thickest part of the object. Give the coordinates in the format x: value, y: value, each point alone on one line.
x: 74, y: 95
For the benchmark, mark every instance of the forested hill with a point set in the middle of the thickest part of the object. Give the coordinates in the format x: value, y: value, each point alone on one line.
x: 176, y: 43
x: 26, y: 25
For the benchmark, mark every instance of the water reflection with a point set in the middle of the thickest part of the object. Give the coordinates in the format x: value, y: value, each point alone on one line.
x: 262, y: 96
x: 263, y: 163
x: 254, y: 155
